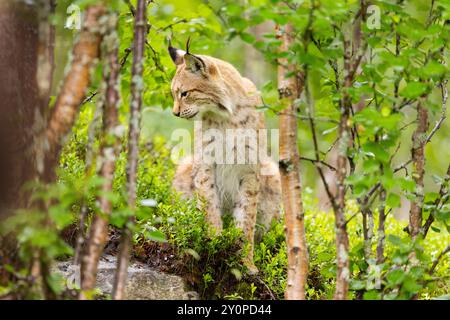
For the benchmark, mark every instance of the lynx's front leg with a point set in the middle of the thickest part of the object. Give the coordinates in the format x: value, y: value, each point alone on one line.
x: 205, y: 185
x: 245, y: 213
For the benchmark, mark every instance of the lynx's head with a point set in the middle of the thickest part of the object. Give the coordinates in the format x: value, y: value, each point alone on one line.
x: 204, y: 85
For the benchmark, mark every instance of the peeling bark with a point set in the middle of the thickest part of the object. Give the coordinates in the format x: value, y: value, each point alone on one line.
x: 289, y: 90
x: 140, y: 30
x: 109, y: 152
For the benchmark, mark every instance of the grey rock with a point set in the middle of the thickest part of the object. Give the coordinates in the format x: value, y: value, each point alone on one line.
x: 143, y: 283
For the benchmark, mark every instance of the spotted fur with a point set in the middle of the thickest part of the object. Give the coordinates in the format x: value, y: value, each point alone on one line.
x: 212, y: 91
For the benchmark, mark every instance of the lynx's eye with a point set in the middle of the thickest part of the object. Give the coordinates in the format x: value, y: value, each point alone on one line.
x: 184, y: 94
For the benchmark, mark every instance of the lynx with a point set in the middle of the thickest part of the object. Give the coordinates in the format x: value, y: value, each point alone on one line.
x: 212, y: 91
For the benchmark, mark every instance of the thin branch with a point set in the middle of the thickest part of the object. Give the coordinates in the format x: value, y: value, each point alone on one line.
x: 315, y: 161
x: 272, y: 296
x: 330, y: 147
x: 131, y: 7
x: 140, y: 29
x: 216, y: 12
x: 124, y: 59
x: 438, y: 124
x: 170, y: 26
x: 439, y: 257
x: 407, y: 125
x: 300, y: 117
x: 443, y: 190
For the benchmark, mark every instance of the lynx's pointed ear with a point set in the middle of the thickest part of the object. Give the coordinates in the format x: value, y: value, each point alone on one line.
x: 176, y: 54
x: 195, y: 64
x: 227, y: 105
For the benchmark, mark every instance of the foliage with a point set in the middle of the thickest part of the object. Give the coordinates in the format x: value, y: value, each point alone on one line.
x: 406, y: 63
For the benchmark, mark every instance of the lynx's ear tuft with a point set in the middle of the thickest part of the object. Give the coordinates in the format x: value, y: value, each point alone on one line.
x: 194, y: 63
x: 176, y: 54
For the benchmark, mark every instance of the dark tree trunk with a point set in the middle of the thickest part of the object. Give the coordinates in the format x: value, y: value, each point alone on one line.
x: 20, y: 103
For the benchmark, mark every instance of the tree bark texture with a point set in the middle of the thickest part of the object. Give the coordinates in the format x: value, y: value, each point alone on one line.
x: 289, y: 89
x: 109, y: 152
x: 345, y: 140
x: 20, y: 104
x: 418, y: 157
x: 140, y: 30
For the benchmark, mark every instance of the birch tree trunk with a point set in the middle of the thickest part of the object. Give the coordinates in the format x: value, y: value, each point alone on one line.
x: 289, y: 89
x: 140, y: 30
x: 109, y: 151
x: 345, y: 140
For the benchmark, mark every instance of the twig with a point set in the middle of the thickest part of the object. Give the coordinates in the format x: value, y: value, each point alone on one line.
x: 90, y: 97
x: 436, y: 261
x: 443, y: 190
x: 131, y: 7
x: 216, y: 12
x: 407, y: 125
x: 319, y: 161
x: 124, y: 59
x: 169, y: 26
x: 301, y: 117
x: 438, y: 124
x: 316, y: 147
x: 330, y: 147
x: 272, y: 296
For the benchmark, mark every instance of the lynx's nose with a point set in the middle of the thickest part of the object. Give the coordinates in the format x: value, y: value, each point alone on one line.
x: 176, y: 113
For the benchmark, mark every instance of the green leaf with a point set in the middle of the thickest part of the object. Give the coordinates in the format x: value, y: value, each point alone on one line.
x: 393, y: 200
x: 395, y: 277
x: 395, y: 240
x: 372, y: 295
x: 414, y: 90
x: 435, y: 229
x: 247, y: 37
x: 156, y: 235
x: 357, y: 284
x: 433, y: 69
x: 410, y: 285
